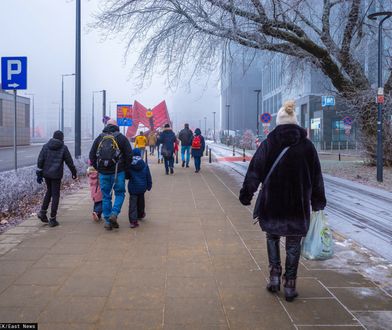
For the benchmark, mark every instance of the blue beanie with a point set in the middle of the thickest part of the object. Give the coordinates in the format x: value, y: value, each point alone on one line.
x: 137, y: 152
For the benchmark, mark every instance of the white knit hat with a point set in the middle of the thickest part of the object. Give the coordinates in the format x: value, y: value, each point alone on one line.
x: 286, y: 114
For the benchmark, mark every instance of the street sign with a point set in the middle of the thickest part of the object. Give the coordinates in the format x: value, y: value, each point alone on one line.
x: 380, y: 99
x: 265, y: 118
x: 315, y: 123
x: 14, y: 73
x: 124, y: 115
x: 348, y: 121
x: 327, y: 101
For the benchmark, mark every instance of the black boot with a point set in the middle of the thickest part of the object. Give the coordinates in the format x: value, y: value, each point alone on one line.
x: 42, y: 216
x: 274, y: 262
x: 53, y: 222
x: 290, y: 292
x: 274, y: 282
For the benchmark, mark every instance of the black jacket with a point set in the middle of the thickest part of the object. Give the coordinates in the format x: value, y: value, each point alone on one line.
x: 294, y: 186
x: 185, y: 137
x: 125, y: 147
x: 167, y: 138
x: 52, y: 157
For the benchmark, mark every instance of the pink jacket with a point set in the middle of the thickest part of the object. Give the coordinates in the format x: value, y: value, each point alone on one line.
x: 96, y: 193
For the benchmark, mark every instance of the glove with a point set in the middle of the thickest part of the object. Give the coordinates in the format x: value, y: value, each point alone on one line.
x: 127, y: 175
x: 245, y: 198
x: 40, y: 178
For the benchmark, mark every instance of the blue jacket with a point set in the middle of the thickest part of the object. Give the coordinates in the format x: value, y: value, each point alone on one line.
x: 140, y: 177
x: 167, y: 138
x: 199, y: 152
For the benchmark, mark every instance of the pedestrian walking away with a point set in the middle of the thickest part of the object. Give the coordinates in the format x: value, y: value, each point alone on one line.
x: 96, y: 193
x: 141, y: 143
x: 50, y: 166
x: 287, y: 165
x: 152, y: 141
x: 139, y: 182
x: 198, y: 147
x: 111, y: 156
x: 185, y: 136
x: 168, y: 140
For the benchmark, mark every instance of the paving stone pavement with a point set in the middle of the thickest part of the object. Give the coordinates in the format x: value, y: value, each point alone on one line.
x: 196, y: 262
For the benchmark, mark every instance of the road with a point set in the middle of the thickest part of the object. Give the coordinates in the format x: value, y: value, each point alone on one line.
x: 357, y: 211
x: 27, y: 155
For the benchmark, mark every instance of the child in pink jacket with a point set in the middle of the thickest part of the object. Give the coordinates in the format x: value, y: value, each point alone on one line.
x: 96, y: 193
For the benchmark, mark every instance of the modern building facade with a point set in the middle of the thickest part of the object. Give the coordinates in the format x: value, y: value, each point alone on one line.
x: 7, y: 119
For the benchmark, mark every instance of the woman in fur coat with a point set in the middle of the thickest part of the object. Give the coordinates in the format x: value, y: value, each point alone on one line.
x: 294, y: 188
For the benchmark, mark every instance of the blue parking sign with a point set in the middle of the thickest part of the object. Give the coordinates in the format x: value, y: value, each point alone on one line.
x: 14, y: 72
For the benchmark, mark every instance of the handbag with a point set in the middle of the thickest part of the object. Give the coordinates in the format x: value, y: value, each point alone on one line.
x: 258, y: 201
x: 318, y: 243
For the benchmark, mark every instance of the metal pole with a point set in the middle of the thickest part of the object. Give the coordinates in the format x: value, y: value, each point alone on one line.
x: 258, y: 112
x: 78, y: 113
x: 92, y: 120
x: 205, y: 126
x: 15, y: 133
x: 103, y: 103
x: 214, y: 126
x: 62, y: 103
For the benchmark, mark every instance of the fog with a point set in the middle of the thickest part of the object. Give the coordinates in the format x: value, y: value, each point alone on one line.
x: 44, y: 31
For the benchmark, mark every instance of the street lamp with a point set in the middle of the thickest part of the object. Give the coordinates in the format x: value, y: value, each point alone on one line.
x: 385, y: 15
x: 228, y: 122
x: 59, y: 114
x: 93, y: 114
x: 110, y: 107
x: 205, y: 126
x: 78, y: 82
x: 257, y: 119
x: 33, y: 114
x: 214, y: 125
x: 62, y: 98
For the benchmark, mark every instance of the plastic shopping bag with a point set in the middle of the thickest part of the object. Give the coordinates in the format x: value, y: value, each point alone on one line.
x: 318, y: 243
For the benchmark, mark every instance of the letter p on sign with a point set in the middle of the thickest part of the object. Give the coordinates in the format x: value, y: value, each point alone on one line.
x: 14, y: 72
x: 13, y: 67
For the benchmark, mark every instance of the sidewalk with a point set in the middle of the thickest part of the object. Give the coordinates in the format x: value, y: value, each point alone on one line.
x: 196, y: 262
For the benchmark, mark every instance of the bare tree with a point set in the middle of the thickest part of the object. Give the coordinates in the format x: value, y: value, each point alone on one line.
x: 328, y: 34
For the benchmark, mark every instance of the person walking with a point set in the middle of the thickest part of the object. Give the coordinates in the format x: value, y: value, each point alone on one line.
x: 198, y: 146
x: 185, y: 136
x: 287, y: 165
x: 152, y: 141
x: 111, y: 156
x: 167, y: 139
x: 139, y: 182
x: 141, y: 142
x: 50, y: 166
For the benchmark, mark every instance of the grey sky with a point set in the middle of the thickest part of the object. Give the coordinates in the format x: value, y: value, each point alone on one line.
x: 44, y: 31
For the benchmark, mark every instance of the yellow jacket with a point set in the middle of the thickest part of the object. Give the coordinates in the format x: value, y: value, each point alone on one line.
x: 140, y: 141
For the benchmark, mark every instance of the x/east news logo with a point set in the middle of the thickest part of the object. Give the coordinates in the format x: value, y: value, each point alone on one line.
x: 17, y: 326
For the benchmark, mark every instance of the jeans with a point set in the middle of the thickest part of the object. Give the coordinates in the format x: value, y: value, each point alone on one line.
x: 197, y: 163
x: 52, y: 193
x: 152, y: 149
x: 106, y: 182
x: 293, y: 251
x: 136, y: 207
x: 142, y: 151
x: 169, y: 162
x: 98, y: 208
x: 186, y: 150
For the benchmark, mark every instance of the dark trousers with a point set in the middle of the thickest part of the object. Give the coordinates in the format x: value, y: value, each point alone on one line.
x: 197, y: 163
x: 152, y: 149
x: 52, y: 193
x: 136, y: 207
x: 169, y: 162
x: 293, y: 251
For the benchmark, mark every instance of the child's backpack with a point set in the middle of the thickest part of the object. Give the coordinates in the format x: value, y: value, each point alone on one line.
x: 108, y: 152
x: 196, y: 142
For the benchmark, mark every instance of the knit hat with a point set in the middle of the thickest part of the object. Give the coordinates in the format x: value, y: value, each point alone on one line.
x: 58, y: 135
x: 167, y: 126
x: 112, y: 122
x: 197, y: 131
x: 286, y: 114
x: 136, y: 152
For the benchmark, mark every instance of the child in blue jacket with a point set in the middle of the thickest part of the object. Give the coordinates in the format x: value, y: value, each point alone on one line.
x: 139, y: 182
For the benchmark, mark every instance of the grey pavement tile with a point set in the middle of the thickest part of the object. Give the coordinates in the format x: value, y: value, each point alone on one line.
x: 20, y: 314
x: 324, y: 264
x: 14, y: 267
x: 31, y: 222
x: 74, y: 248
x: 190, y: 269
x: 240, y: 278
x: 319, y: 312
x: 375, y: 320
x: 187, y: 258
x: 6, y: 247
x: 136, y: 298
x: 342, y: 278
x: 153, y: 263
x: 21, y: 230
x: 107, y: 268
x: 24, y: 253
x: 26, y: 296
x: 311, y: 288
x: 43, y: 241
x: 86, y: 286
x: 183, y: 253
x: 66, y: 326
x: 189, y: 311
x: 44, y: 276
x: 331, y: 327
x: 140, y: 278
x: 73, y: 310
x: 233, y: 262
x: 130, y: 319
x: 58, y: 261
x: 363, y: 299
x: 6, y: 281
x: 191, y: 287
x: 193, y: 326
x: 11, y: 239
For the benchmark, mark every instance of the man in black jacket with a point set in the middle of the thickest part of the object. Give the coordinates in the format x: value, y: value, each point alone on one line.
x: 185, y: 136
x: 51, y: 168
x: 112, y: 169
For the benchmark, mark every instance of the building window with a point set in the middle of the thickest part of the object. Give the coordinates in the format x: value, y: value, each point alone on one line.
x: 27, y: 115
x: 338, y: 132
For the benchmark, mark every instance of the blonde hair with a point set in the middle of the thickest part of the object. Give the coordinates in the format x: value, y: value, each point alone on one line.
x: 289, y: 107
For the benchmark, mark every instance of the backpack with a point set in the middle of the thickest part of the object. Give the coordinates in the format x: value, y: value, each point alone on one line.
x: 196, y: 142
x: 165, y: 152
x: 108, y: 151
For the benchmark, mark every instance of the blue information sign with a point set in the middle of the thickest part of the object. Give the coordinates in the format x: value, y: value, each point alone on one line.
x: 265, y: 118
x: 327, y: 101
x: 14, y: 72
x: 124, y: 122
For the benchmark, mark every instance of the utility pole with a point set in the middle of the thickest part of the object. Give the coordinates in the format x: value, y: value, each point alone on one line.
x: 205, y: 126
x: 257, y: 112
x: 228, y: 120
x: 214, y: 126
x: 103, y: 103
x: 380, y: 92
x: 32, y: 116
x: 78, y: 103
x: 62, y: 98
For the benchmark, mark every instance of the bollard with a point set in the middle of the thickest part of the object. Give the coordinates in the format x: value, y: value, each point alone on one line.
x: 243, y: 155
x: 233, y: 150
x: 176, y: 157
x: 145, y: 151
x: 207, y: 150
x: 339, y: 157
x: 209, y: 156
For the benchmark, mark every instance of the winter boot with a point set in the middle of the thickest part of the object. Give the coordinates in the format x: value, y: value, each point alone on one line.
x: 113, y: 221
x: 134, y: 224
x: 274, y: 281
x: 42, y: 216
x: 108, y: 226
x: 53, y: 222
x: 96, y: 217
x: 290, y: 292
x: 183, y: 163
x: 171, y: 170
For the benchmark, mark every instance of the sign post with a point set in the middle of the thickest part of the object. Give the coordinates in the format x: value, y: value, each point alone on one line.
x: 14, y: 77
x: 266, y: 118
